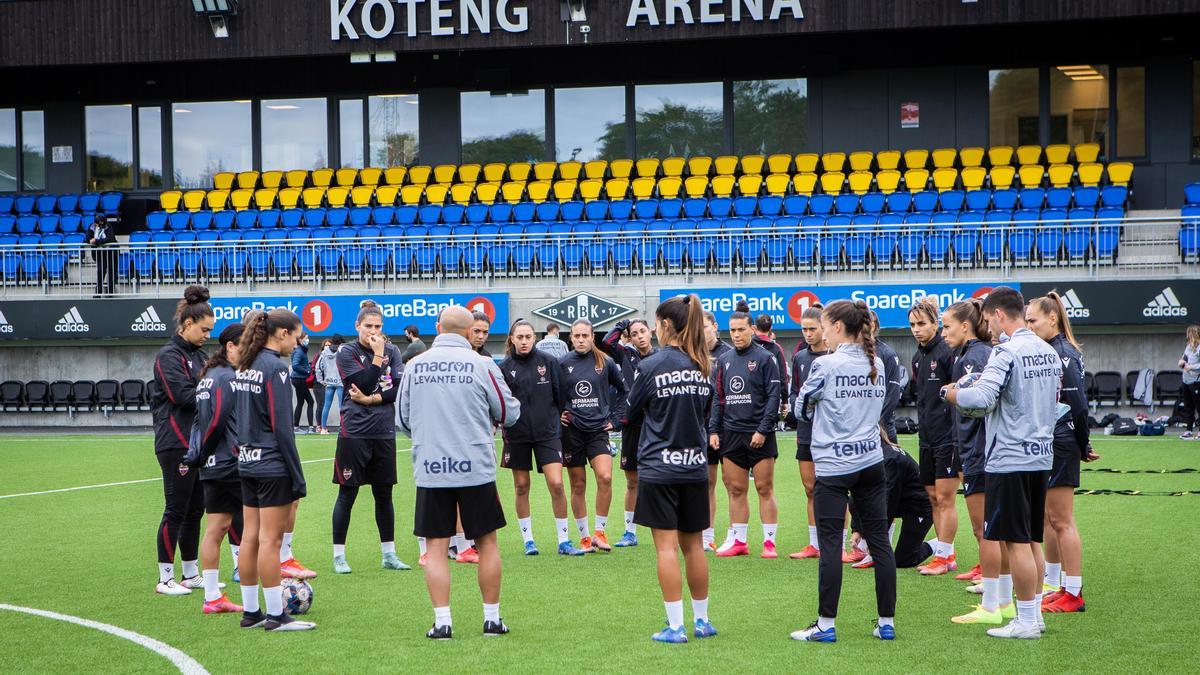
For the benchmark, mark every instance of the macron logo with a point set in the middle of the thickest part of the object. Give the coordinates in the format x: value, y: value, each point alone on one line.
x: 148, y: 322
x: 1165, y: 304
x: 5, y: 326
x: 72, y: 322
x: 1074, y: 306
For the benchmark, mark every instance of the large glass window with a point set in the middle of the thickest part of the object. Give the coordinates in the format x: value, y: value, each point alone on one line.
x: 589, y: 123
x: 8, y: 150
x: 770, y: 116
x: 208, y: 138
x: 109, y: 146
x: 350, y: 133
x: 1131, y: 112
x: 33, y: 150
x: 294, y: 134
x: 503, y: 126
x: 1013, y: 106
x: 150, y: 154
x: 393, y: 124
x: 679, y: 119
x: 1079, y: 105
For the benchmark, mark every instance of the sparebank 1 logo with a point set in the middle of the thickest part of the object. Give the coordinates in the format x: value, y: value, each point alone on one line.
x: 799, y: 303
x: 482, y: 304
x: 982, y: 292
x: 316, y: 315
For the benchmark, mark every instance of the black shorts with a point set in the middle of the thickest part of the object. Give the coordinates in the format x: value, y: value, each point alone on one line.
x: 735, y: 447
x: 365, y: 461
x: 974, y: 484
x: 803, y: 452
x: 223, y: 495
x: 939, y: 464
x: 479, y: 506
x: 672, y: 506
x: 260, y: 493
x: 714, y: 456
x: 579, y: 447
x: 630, y: 436
x: 1014, y: 506
x: 521, y: 456
x: 1066, y: 464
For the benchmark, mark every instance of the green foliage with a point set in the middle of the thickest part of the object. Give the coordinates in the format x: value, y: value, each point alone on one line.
x: 522, y: 145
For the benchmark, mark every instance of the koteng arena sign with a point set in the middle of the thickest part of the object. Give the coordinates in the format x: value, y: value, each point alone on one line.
x: 331, y: 314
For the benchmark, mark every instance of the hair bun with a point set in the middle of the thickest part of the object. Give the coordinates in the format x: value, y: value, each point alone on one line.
x: 743, y: 307
x: 195, y: 295
x: 367, y: 303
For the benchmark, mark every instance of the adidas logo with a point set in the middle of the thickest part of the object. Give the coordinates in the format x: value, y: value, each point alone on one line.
x: 1165, y: 304
x: 71, y: 322
x: 5, y: 326
x: 148, y: 322
x: 1074, y: 305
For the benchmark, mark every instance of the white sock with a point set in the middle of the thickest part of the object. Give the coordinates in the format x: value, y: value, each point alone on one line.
x: 190, y: 569
x: 674, y: 614
x: 708, y: 536
x: 166, y: 572
x: 891, y: 531
x: 862, y: 545
x: 469, y: 542
x: 526, y: 528
x: 739, y: 531
x: 250, y: 598
x: 441, y: 616
x: 935, y: 546
x: 285, y: 549
x: 813, y: 540
x: 422, y: 545
x: 947, y: 550
x: 991, y: 594
x: 1073, y: 585
x: 630, y: 527
x: 211, y: 590
x: 491, y: 612
x: 456, y: 542
x: 700, y: 609
x: 887, y: 621
x: 274, y: 600
x: 1006, y: 590
x: 601, y: 523
x: 339, y: 550
x: 1037, y: 597
x: 1053, y: 576
x: 824, y: 623
x: 234, y: 549
x: 845, y: 538
x: 1027, y: 611
x: 581, y: 526
x: 562, y: 528
x: 769, y: 530
x: 387, y: 546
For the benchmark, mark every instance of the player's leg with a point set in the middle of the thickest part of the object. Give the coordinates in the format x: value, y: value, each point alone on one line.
x: 467, y: 553
x: 696, y: 565
x: 945, y: 520
x: 236, y: 525
x: 176, y: 496
x: 288, y: 564
x: 252, y: 615
x: 972, y: 487
x: 553, y: 472
x: 808, y: 476
x: 737, y: 484
x: 768, y: 509
x: 629, y: 537
x: 870, y: 498
x: 1060, y: 517
x: 215, y: 529
x: 830, y: 499
x: 521, y: 497
x: 343, y: 506
x: 708, y: 537
x: 578, y: 477
x: 272, y: 524
x: 670, y: 580
x: 189, y: 534
x: 489, y: 583
x: 385, y: 522
x: 602, y: 469
x: 433, y: 519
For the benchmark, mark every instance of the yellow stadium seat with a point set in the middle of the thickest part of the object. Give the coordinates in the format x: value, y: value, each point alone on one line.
x: 860, y: 160
x: 888, y: 160
x: 945, y: 178
x: 296, y: 178
x: 973, y: 177
x: 673, y: 166
x: 669, y: 187
x: 699, y: 165
x: 394, y: 175
x: 193, y: 200
x: 360, y: 195
x: 648, y: 167
x: 224, y: 180
x: 322, y: 177
x: 469, y: 173
x: 444, y: 173
x: 621, y: 168
x: 972, y: 156
x: 804, y: 183
x: 1057, y: 153
x: 411, y: 195
x: 831, y: 181
x: 1120, y: 173
x: 169, y: 200
x: 915, y: 180
x: 513, y: 191
x: 1000, y: 155
x: 1090, y: 174
x: 519, y: 172
x: 539, y: 190
x: 943, y: 158
x: 247, y: 180
x: 806, y: 162
x: 1029, y: 154
x: 436, y: 193
x: 618, y: 188
x: 1031, y: 174
x: 1060, y: 174
x: 726, y: 165
x: 289, y: 197
x: 545, y: 171
x: 460, y: 193
x: 240, y: 199
x: 564, y: 190
x: 833, y: 161
x: 419, y: 174
x: 1087, y: 152
x: 596, y: 169
x: 570, y: 170
x: 346, y: 176
x: 888, y: 180
x: 722, y: 185
x: 337, y: 195
x: 860, y: 182
x: 271, y: 179
x: 313, y: 197
x: 216, y: 199
x: 916, y: 159
x: 370, y: 176
x: 643, y: 187
x: 755, y: 163
x: 385, y: 195
x: 494, y: 172
x: 695, y: 186
x: 590, y: 188
x: 1002, y: 176
x: 486, y: 192
x: 777, y: 184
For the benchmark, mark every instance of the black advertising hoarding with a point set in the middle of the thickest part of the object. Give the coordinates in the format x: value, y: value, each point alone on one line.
x: 1109, y: 303
x: 87, y: 319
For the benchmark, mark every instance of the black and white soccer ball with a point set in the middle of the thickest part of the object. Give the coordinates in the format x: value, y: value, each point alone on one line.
x: 297, y: 596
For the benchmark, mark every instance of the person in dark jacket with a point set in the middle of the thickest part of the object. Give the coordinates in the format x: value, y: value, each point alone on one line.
x: 766, y: 339
x: 894, y: 371
x: 628, y: 357
x: 802, y: 363
x: 941, y: 467
x: 102, y: 237
x: 906, y: 500
x: 301, y: 369
x: 415, y: 344
x: 594, y: 405
x: 533, y: 377
x: 177, y: 369
x: 481, y: 328
x: 716, y: 347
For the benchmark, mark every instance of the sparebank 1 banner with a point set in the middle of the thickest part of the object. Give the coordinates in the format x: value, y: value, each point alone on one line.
x: 326, y: 315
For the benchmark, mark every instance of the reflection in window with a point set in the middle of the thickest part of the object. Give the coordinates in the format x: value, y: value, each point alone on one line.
x: 150, y: 156
x: 503, y: 126
x: 1079, y: 105
x: 33, y: 150
x: 8, y: 150
x: 350, y: 132
x: 1131, y: 112
x: 109, y: 146
x: 589, y: 123
x: 770, y: 116
x: 679, y: 119
x: 209, y: 138
x: 294, y: 134
x: 1013, y: 107
x: 393, y: 124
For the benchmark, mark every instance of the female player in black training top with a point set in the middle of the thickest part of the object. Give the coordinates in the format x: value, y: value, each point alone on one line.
x: 268, y: 463
x: 843, y: 397
x: 802, y: 360
x: 533, y: 377
x: 628, y: 358
x: 214, y: 445
x: 177, y: 369
x: 716, y: 347
x: 594, y: 405
x: 671, y: 398
x: 906, y: 500
x: 366, y: 445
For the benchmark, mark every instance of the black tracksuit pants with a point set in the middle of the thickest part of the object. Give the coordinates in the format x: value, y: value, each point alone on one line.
x: 830, y: 497
x: 184, y: 499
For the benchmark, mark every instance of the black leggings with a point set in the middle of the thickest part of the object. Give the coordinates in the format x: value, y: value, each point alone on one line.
x: 303, y: 396
x: 385, y: 514
x: 1191, y: 398
x: 830, y: 497
x: 184, y: 507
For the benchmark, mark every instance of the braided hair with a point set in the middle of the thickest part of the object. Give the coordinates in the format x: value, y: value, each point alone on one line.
x: 856, y: 318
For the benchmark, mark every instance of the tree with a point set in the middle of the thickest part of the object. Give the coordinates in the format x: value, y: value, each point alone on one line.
x: 522, y: 145
x: 769, y: 118
x: 672, y: 130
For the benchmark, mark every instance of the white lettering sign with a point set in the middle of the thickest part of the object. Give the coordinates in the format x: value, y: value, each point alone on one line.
x: 377, y: 19
x: 708, y: 11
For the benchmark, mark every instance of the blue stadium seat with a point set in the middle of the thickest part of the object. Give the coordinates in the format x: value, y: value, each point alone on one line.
x: 431, y: 214
x: 547, y: 212
x: 925, y: 201
x: 596, y: 210
x: 1049, y: 244
x: 523, y: 257
x: 684, y: 228
x: 24, y: 204
x: 883, y: 249
x: 1078, y: 242
x: 359, y: 216
x: 26, y: 224
x: 991, y: 246
x: 6, y: 204
x: 46, y: 203
x: 248, y: 219
x: 474, y: 258
x: 1087, y: 197
x: 476, y: 213
x: 891, y: 222
x: 722, y: 207
x: 8, y: 223
x: 291, y: 218
x: 1058, y: 198
x: 620, y: 209
x: 68, y: 203
x: 537, y: 233
x: 944, y: 220
x: 750, y: 250
x: 269, y: 219
x: 282, y: 260
x: 979, y: 200
x: 1114, y: 195
x: 723, y: 253
x: 965, y: 243
x: 1005, y: 200
x: 971, y: 220
x: 597, y: 255
x: 177, y: 221
x: 314, y: 217
x: 1032, y: 198
x: 795, y: 205
x: 645, y: 209
x: 71, y: 222
x: 330, y: 260
x: 1191, y: 195
x: 572, y: 257
x: 695, y: 207
x: 864, y: 222
x: 572, y: 211
x: 585, y: 230
x: 951, y: 200
x: 937, y: 246
x: 110, y: 202
x: 670, y: 209
x: 873, y: 202
x: 743, y: 207
x: 804, y: 247
x: 47, y: 223
x: 609, y: 229
x: 524, y: 212
x: 406, y: 215
x: 453, y: 214
x: 771, y: 205
x: 899, y: 202
x: 463, y: 232
x: 846, y: 203
x: 699, y: 253
x: 856, y: 247
x: 829, y: 249
x: 820, y: 205
x: 89, y: 202
x: 838, y: 223
x: 450, y: 258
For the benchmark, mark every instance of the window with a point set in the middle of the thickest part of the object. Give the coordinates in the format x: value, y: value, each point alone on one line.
x: 294, y: 134
x: 770, y: 116
x: 8, y: 150
x: 393, y: 124
x: 1079, y: 105
x: 350, y: 133
x: 33, y: 150
x: 1013, y: 107
x: 679, y: 119
x: 150, y: 155
x: 209, y: 138
x: 1131, y: 112
x: 503, y: 126
x: 589, y: 123
x: 109, y: 146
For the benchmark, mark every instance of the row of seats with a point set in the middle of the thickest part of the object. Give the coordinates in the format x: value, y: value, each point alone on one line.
x: 81, y: 395
x: 1108, y: 386
x: 87, y: 203
x: 27, y: 224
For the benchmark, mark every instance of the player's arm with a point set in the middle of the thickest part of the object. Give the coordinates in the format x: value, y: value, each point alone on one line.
x: 618, y: 405
x: 354, y: 373
x: 405, y: 388
x: 717, y: 417
x: 611, y: 344
x: 794, y: 382
x: 770, y: 376
x: 639, y: 396
x: 891, y: 398
x: 175, y: 380
x: 396, y: 372
x: 812, y: 391
x: 985, y: 392
x: 505, y: 408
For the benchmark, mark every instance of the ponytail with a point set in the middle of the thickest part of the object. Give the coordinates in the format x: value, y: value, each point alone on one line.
x: 232, y: 333
x: 742, y: 313
x: 813, y: 312
x: 258, y: 329
x: 1051, y: 303
x: 368, y: 308
x: 193, y: 307
x: 1193, y: 336
x: 856, y: 318
x: 684, y: 317
x: 971, y: 311
x: 600, y: 357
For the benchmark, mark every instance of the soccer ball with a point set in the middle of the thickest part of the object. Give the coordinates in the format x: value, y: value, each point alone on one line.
x: 297, y: 596
x: 966, y: 382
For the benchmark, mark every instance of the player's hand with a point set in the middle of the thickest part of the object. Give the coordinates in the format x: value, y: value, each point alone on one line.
x: 376, y: 343
x: 715, y: 441
x: 622, y: 325
x: 359, y: 397
x: 1090, y: 455
x: 757, y: 440
x: 565, y: 418
x: 608, y: 426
